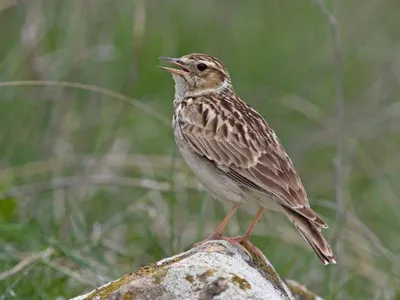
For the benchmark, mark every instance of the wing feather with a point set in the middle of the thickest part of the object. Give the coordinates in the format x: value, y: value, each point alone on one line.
x: 254, y: 159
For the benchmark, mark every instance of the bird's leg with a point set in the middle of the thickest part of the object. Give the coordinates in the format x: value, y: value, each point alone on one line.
x: 225, y: 221
x: 244, y: 239
x: 217, y: 235
x: 246, y: 236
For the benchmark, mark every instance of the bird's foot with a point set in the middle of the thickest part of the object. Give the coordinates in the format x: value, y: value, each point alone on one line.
x: 242, y: 241
x: 245, y: 243
x: 232, y: 240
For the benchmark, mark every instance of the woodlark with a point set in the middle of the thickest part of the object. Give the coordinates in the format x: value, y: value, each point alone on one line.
x: 234, y: 152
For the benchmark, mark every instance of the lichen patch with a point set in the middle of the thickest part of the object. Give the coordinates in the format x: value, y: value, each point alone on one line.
x: 106, y: 290
x: 241, y: 282
x: 213, y: 289
x: 159, y: 275
x: 203, y: 276
x: 299, y: 292
x: 189, y: 278
x: 152, y: 269
x: 266, y: 270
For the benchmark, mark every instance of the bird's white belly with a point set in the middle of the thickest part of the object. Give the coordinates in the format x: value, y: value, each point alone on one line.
x: 214, y: 180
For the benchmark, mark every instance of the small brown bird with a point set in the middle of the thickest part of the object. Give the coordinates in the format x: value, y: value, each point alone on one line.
x: 234, y: 152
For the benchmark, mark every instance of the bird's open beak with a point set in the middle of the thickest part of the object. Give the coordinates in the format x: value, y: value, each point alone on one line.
x: 182, y: 69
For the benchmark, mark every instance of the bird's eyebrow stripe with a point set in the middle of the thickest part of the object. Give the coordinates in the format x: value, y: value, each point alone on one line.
x: 210, y: 61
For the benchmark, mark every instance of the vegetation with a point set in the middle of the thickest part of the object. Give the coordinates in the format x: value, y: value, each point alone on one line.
x: 91, y: 186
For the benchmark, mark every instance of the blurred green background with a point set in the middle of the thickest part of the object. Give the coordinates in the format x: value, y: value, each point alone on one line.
x: 91, y: 186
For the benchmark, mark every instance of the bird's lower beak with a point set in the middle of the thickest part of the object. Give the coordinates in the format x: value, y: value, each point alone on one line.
x: 182, y: 69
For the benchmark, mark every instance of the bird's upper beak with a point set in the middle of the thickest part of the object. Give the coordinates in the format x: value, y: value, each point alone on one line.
x: 176, y: 61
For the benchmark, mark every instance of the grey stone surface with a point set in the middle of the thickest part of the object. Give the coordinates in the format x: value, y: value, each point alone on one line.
x: 215, y: 270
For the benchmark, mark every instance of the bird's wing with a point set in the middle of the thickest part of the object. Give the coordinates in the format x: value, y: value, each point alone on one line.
x: 247, y: 150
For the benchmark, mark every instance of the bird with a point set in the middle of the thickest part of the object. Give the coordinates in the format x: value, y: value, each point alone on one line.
x: 234, y: 152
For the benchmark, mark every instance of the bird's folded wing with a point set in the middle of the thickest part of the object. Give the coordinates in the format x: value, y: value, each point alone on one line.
x: 253, y: 159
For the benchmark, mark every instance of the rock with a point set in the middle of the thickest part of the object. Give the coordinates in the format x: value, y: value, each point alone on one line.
x: 213, y: 270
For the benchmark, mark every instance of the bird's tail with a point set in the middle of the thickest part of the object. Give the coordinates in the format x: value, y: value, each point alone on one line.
x: 311, y: 233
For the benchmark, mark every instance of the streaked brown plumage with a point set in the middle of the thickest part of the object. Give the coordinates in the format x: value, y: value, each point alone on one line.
x: 234, y: 152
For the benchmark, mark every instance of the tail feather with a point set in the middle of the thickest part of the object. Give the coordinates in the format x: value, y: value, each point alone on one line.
x: 311, y: 233
x: 308, y: 213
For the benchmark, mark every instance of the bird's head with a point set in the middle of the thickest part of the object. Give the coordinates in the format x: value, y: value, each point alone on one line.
x: 197, y: 74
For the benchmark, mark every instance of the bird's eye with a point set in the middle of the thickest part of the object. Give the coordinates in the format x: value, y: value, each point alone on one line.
x: 201, y: 67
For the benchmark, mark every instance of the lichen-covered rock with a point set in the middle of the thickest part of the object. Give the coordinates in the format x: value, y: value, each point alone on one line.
x: 214, y: 270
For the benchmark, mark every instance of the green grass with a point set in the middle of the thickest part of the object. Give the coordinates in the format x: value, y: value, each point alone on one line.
x: 91, y: 186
